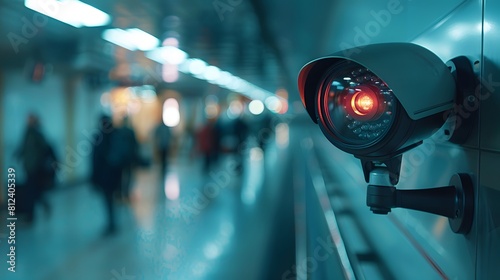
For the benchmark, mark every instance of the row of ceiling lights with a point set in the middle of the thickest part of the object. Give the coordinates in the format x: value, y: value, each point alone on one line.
x: 79, y: 14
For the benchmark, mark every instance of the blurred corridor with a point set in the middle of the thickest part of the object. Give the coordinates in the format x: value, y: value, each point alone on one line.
x: 184, y: 225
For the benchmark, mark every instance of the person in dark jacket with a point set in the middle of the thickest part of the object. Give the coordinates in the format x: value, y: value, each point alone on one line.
x: 163, y: 139
x: 37, y: 158
x: 106, y: 177
x: 124, y: 155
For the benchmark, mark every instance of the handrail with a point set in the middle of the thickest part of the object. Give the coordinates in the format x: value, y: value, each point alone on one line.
x: 324, y: 200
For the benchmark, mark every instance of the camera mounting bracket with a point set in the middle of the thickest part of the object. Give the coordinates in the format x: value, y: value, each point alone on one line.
x: 455, y: 201
x: 461, y: 119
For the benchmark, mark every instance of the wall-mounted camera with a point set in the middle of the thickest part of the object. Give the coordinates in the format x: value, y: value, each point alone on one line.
x: 383, y: 101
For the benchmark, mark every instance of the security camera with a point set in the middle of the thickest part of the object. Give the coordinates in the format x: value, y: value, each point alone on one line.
x: 383, y: 100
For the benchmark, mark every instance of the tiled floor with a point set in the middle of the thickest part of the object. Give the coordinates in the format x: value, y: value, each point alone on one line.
x: 185, y: 226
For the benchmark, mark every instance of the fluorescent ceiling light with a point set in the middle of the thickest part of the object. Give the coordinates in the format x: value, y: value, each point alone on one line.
x: 131, y: 39
x: 143, y: 41
x: 260, y: 94
x: 239, y: 85
x: 168, y: 54
x: 202, y: 70
x: 119, y: 37
x: 197, y: 66
x: 211, y: 73
x: 71, y: 12
x: 224, y: 78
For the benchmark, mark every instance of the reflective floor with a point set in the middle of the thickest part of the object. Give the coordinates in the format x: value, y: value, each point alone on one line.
x: 184, y: 225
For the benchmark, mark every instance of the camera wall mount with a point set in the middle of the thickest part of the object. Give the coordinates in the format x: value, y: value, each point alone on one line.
x: 455, y: 201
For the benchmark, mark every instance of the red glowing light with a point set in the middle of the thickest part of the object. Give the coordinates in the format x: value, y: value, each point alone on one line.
x: 364, y: 104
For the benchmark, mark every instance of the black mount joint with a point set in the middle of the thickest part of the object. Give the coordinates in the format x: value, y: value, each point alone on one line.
x: 462, y: 118
x: 455, y: 201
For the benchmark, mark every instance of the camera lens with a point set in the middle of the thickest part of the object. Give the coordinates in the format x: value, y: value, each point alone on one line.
x: 364, y: 104
x: 355, y: 104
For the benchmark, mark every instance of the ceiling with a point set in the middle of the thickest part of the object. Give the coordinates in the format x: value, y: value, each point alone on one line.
x: 263, y: 42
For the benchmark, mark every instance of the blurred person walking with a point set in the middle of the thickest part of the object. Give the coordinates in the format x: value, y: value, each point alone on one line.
x: 234, y: 132
x: 240, y: 129
x: 162, y: 137
x: 106, y: 174
x: 38, y: 161
x: 124, y: 155
x: 207, y: 143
